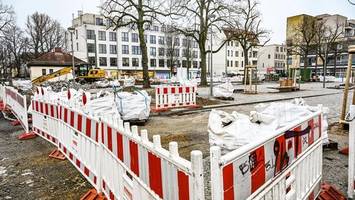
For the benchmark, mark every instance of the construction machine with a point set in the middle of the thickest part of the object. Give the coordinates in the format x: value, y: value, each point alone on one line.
x: 83, y: 73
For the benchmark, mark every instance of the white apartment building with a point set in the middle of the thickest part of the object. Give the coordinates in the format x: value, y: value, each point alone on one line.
x: 272, y: 59
x: 230, y: 58
x: 119, y: 50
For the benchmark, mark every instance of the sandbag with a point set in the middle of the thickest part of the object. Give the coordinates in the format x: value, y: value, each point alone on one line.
x: 133, y: 106
x: 223, y: 90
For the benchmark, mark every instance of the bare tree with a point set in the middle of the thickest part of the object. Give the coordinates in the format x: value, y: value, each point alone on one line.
x: 172, y: 50
x: 247, y: 30
x: 201, y: 16
x: 45, y: 33
x: 6, y: 16
x: 303, y: 42
x: 136, y: 13
x: 326, y: 40
x: 16, y: 44
x: 187, y: 53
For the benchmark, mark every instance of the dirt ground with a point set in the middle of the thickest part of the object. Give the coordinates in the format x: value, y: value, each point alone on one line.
x: 26, y: 171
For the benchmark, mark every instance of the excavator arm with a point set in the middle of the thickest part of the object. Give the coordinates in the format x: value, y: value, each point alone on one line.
x: 55, y: 74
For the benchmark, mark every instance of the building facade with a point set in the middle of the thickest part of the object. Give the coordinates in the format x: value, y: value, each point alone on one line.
x: 272, y: 59
x: 119, y: 50
x: 338, y: 57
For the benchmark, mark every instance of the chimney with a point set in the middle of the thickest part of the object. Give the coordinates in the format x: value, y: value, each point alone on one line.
x: 58, y: 50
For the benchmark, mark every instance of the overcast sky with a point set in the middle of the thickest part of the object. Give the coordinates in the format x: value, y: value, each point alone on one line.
x: 274, y: 12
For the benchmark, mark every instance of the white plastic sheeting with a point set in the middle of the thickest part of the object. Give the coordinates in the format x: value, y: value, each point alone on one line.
x: 231, y: 131
x: 22, y: 84
x: 223, y: 90
x: 133, y: 106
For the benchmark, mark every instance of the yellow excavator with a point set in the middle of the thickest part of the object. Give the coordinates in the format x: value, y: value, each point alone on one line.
x: 82, y: 74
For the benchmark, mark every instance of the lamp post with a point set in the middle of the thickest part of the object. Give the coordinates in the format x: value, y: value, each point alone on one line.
x: 71, y: 31
x: 211, y: 59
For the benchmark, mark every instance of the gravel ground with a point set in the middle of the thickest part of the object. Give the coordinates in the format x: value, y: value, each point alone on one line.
x: 26, y: 171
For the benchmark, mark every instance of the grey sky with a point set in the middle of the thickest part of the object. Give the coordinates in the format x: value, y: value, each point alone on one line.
x: 274, y: 12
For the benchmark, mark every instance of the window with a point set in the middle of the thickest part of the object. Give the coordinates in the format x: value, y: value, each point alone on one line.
x: 113, y: 49
x: 103, y: 61
x: 145, y: 38
x: 125, y: 37
x: 161, y: 40
x: 134, y: 37
x: 113, y: 62
x: 161, y: 51
x: 135, y: 62
x: 92, y: 60
x: 136, y: 50
x: 125, y: 49
x: 177, y: 52
x: 77, y: 46
x: 146, y: 26
x: 153, y: 39
x: 51, y: 71
x: 113, y: 36
x: 76, y: 34
x: 155, y: 28
x: 237, y: 54
x: 153, y: 51
x: 184, y: 63
x: 269, y: 56
x: 44, y: 72
x: 255, y: 54
x: 99, y: 21
x: 177, y: 41
x: 102, y: 48
x: 231, y: 43
x: 194, y: 54
x: 161, y: 63
x: 169, y: 40
x: 227, y: 63
x: 153, y: 62
x: 228, y: 53
x: 102, y: 35
x: 195, y: 44
x: 194, y: 64
x: 90, y: 34
x: 277, y: 49
x: 184, y: 42
x: 125, y: 62
x: 163, y: 28
x: 236, y: 64
x: 231, y: 63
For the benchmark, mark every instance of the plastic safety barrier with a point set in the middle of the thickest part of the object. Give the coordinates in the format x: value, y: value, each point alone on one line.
x: 115, y: 158
x: 17, y: 103
x: 175, y: 96
x: 2, y: 92
x: 351, y: 170
x: 256, y: 171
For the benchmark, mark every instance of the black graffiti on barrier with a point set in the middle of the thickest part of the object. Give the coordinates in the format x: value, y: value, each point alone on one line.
x: 250, y: 164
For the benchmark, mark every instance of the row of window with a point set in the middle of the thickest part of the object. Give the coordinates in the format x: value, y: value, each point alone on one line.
x: 162, y: 40
x: 231, y: 53
x: 236, y: 63
x: 134, y: 62
x: 136, y: 50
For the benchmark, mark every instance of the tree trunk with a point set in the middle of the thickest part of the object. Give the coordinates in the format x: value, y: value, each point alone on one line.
x: 246, y: 61
x: 203, y: 67
x: 335, y: 61
x: 316, y: 68
x: 143, y: 46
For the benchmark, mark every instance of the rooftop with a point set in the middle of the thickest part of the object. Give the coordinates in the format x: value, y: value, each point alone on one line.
x: 55, y: 58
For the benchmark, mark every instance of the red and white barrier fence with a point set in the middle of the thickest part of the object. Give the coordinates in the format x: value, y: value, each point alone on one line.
x: 351, y: 170
x: 17, y: 103
x: 174, y: 96
x: 259, y: 170
x: 115, y: 158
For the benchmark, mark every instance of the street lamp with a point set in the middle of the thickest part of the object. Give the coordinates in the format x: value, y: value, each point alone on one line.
x: 211, y: 17
x: 71, y: 31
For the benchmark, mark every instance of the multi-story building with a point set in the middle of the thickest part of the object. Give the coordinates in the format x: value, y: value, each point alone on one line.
x: 119, y: 50
x: 230, y: 58
x: 272, y: 59
x: 338, y: 57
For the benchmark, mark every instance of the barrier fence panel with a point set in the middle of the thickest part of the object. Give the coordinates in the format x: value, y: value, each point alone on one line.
x: 351, y: 169
x: 114, y: 158
x: 145, y: 169
x: 291, y: 153
x: 2, y: 92
x: 175, y: 96
x: 18, y: 105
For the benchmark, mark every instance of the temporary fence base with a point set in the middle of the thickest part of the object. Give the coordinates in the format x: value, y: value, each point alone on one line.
x: 93, y: 195
x: 330, y: 193
x: 15, y: 123
x: 57, y: 154
x: 160, y: 110
x: 27, y: 136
